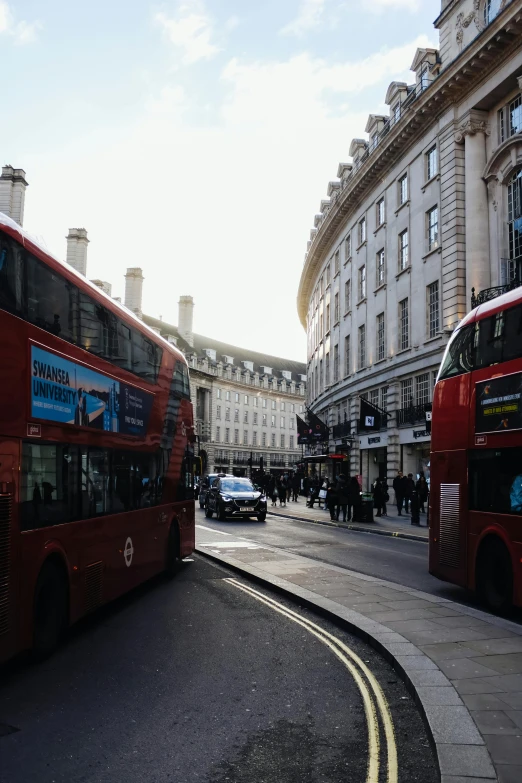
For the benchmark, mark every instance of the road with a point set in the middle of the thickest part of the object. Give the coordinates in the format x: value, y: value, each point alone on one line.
x: 199, y: 679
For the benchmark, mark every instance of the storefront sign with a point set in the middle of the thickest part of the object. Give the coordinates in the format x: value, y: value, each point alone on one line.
x: 499, y: 404
x: 70, y: 393
x: 420, y: 434
x: 374, y: 440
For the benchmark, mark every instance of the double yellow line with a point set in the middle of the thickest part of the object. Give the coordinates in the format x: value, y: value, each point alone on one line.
x: 374, y: 700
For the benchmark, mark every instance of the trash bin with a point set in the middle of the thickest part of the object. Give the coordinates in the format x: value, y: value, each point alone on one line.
x: 366, y: 507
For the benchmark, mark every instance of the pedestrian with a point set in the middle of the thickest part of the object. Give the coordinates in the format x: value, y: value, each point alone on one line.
x: 296, y: 485
x: 281, y: 488
x: 398, y: 488
x: 272, y: 490
x: 385, y: 495
x: 314, y: 491
x: 422, y: 492
x: 355, y: 499
x: 343, y: 497
x: 331, y: 499
x: 322, y: 493
x: 379, y: 500
x: 409, y: 489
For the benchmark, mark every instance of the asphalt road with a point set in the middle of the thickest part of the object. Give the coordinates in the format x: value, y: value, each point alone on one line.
x: 196, y: 680
x: 396, y: 559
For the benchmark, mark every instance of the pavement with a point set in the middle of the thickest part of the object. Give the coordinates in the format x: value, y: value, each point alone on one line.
x: 390, y: 525
x: 463, y: 666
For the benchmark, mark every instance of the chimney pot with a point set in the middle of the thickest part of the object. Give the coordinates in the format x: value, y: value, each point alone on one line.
x: 185, y: 318
x: 134, y: 289
x: 12, y: 193
x: 77, y: 249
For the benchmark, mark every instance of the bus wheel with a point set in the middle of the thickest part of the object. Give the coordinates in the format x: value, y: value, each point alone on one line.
x: 51, y: 605
x: 495, y: 575
x: 173, y: 551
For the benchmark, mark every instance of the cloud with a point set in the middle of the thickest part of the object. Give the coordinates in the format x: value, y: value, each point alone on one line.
x: 381, y: 5
x: 21, y: 32
x: 191, y: 31
x: 309, y: 16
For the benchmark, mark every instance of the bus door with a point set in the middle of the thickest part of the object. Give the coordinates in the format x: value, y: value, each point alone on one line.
x: 448, y: 494
x: 9, y: 554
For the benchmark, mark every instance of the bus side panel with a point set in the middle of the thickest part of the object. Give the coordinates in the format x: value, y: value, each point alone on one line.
x: 9, y: 549
x: 450, y: 415
x: 449, y: 516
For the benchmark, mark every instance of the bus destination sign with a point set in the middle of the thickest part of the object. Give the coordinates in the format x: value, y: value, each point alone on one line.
x: 70, y: 393
x: 499, y: 404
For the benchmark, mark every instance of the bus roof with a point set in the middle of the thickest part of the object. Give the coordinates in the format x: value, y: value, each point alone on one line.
x: 9, y: 226
x: 493, y: 306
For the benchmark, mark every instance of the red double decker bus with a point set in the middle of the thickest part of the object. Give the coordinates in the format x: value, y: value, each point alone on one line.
x: 476, y: 459
x: 96, y: 465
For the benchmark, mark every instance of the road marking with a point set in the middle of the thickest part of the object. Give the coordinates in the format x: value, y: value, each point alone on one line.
x: 218, y: 532
x: 343, y: 652
x: 232, y: 545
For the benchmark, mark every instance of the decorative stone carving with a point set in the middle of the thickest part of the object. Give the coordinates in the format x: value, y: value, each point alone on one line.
x: 492, y: 190
x: 477, y: 16
x: 470, y: 127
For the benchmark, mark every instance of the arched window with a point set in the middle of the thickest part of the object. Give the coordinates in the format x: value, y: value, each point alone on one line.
x: 515, y: 225
x: 491, y: 9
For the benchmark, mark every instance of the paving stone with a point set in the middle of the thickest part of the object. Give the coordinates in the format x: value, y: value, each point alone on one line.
x: 445, y: 696
x: 505, y: 749
x: 462, y: 668
x: 443, y: 611
x: 510, y: 663
x: 453, y: 725
x: 515, y: 716
x: 388, y: 615
x: 484, y: 701
x: 513, y: 699
x: 404, y: 648
x: 494, y: 722
x: 358, y: 605
x: 466, y: 760
x: 460, y: 779
x: 502, y: 646
x: 509, y: 773
x: 508, y: 682
x: 408, y: 603
x: 430, y: 677
x: 463, y: 621
x: 405, y: 626
x: 416, y: 663
x: 444, y: 635
x: 447, y: 651
x: 477, y: 685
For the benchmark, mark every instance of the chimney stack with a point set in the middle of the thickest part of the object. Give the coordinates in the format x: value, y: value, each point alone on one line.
x: 185, y: 318
x: 77, y: 249
x: 133, y: 290
x: 12, y: 193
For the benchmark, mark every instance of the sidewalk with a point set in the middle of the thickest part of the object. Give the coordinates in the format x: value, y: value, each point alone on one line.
x: 463, y: 666
x: 390, y: 525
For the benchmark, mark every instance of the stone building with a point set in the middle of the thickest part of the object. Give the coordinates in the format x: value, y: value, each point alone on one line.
x: 426, y: 215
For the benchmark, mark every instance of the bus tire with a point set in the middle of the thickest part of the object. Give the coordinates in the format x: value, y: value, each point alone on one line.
x: 50, y: 609
x: 494, y: 578
x: 173, y: 551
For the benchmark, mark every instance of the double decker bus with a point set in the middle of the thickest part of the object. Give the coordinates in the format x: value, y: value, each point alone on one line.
x: 96, y: 463
x: 476, y: 459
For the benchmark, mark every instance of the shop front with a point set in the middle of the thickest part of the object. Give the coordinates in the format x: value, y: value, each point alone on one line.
x: 415, y: 451
x: 373, y: 458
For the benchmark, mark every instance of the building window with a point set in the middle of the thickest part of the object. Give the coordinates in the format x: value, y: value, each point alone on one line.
x: 491, y: 9
x: 424, y: 77
x: 510, y: 118
x: 273, y: 421
x: 337, y: 314
x: 380, y: 212
x: 327, y: 318
x: 396, y: 112
x: 282, y: 441
x: 227, y: 396
x: 374, y: 397
x: 362, y: 283
x: 255, y: 418
x: 264, y: 420
x: 291, y: 441
x: 273, y: 405
x: 227, y: 435
x: 245, y: 438
x: 227, y: 414
x: 381, y: 350
x: 514, y: 227
x: 327, y: 275
x: 256, y: 402
x: 347, y: 296
x: 264, y: 438
x: 347, y: 364
x: 236, y: 414
x: 327, y: 369
x: 433, y: 228
x: 362, y: 347
x: 380, y: 269
x: 362, y: 231
x: 273, y: 440
x: 431, y: 163
x: 336, y: 262
x: 292, y: 407
x: 245, y: 417
x: 218, y: 394
x: 254, y: 438
x: 264, y: 403
x: 218, y: 434
x: 433, y: 309
x: 292, y: 423
x: 336, y: 363
x: 348, y: 247
x: 282, y: 422
x: 407, y: 393
x: 404, y: 325
x: 422, y: 389
x: 403, y: 189
x: 246, y: 399
x: 218, y: 411
x: 384, y: 398
x: 236, y: 436
x: 236, y: 396
x: 403, y: 250
x: 301, y: 408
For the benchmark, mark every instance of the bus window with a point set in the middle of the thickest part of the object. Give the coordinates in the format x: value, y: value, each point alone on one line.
x: 180, y: 382
x: 495, y: 480
x: 52, y: 302
x: 459, y: 356
x: 146, y: 357
x: 49, y: 485
x: 11, y: 277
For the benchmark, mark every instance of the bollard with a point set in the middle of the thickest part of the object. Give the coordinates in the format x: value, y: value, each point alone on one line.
x: 415, y: 514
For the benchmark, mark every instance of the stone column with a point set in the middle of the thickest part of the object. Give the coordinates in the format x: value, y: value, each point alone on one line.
x: 473, y: 131
x: 393, y: 451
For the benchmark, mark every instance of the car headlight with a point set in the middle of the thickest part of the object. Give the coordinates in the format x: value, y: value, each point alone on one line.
x: 226, y: 498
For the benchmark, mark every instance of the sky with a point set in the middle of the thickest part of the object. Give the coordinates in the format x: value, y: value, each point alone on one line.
x: 195, y: 139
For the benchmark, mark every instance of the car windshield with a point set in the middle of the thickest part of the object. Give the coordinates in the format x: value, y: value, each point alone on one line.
x: 237, y: 485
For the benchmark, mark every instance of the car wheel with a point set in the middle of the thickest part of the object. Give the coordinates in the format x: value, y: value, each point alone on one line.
x: 221, y: 514
x: 208, y: 512
x: 261, y: 517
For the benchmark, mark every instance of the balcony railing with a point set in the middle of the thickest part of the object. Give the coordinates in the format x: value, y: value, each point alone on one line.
x: 413, y: 414
x: 491, y: 293
x: 342, y: 430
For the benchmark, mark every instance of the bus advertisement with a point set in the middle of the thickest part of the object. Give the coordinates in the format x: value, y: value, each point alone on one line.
x: 476, y: 455
x: 96, y: 448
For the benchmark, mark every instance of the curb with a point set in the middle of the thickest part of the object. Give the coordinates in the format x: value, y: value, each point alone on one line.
x: 439, y: 703
x: 356, y: 528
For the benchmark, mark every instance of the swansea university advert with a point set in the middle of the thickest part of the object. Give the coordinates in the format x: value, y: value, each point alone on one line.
x: 70, y: 393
